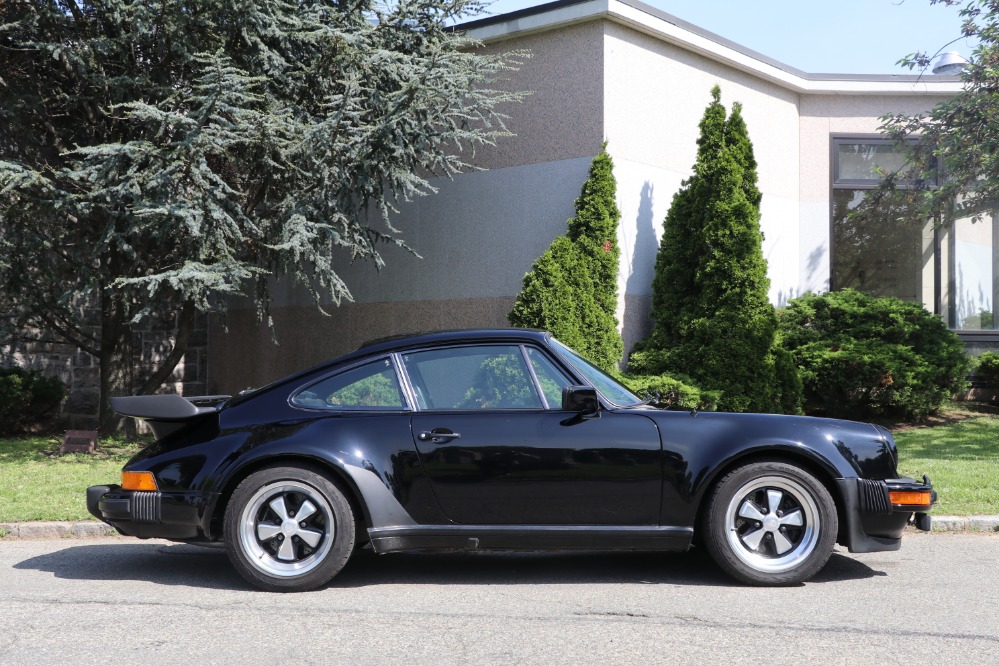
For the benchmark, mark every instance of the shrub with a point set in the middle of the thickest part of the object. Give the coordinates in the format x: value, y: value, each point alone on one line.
x: 713, y: 320
x: 670, y: 392
x: 863, y: 356
x: 26, y: 398
x: 571, y: 290
x: 987, y: 368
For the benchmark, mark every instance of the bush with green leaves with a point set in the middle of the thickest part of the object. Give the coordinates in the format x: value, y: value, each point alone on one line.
x: 26, y: 398
x: 861, y: 356
x: 669, y: 392
x: 987, y: 368
x: 713, y: 320
x: 571, y: 290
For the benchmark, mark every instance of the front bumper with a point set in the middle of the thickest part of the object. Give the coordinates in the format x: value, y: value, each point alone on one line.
x: 147, y: 515
x: 872, y: 522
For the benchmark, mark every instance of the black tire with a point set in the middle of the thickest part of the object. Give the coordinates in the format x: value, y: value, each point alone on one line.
x: 770, y: 523
x: 267, y: 543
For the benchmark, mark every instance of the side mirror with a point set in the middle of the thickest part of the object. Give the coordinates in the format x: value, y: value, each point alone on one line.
x: 581, y: 399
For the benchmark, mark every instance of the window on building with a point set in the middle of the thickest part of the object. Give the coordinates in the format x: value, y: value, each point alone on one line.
x: 949, y: 265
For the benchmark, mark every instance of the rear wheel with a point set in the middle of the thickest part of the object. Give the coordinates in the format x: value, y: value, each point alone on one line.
x: 771, y: 523
x: 288, y: 529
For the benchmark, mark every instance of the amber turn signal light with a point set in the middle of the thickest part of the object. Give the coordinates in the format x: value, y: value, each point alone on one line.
x: 138, y: 481
x: 909, y: 497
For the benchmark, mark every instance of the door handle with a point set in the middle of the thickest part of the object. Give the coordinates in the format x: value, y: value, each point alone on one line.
x: 438, y: 436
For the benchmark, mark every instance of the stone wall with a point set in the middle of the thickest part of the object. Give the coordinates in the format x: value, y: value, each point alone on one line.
x: 79, y: 370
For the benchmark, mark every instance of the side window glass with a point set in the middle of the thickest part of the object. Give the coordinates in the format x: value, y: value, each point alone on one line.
x: 552, y: 379
x: 371, y: 386
x: 487, y: 377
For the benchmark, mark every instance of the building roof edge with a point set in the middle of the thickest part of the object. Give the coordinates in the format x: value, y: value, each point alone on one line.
x: 669, y: 28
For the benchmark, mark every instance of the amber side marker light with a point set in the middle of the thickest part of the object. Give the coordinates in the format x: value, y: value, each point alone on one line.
x: 138, y: 481
x: 909, y: 497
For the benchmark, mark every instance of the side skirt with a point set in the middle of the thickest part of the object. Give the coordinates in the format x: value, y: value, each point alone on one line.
x: 528, y: 537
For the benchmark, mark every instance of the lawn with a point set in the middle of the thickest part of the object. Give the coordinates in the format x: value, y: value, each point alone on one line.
x: 37, y: 483
x: 959, y: 450
x: 961, y: 456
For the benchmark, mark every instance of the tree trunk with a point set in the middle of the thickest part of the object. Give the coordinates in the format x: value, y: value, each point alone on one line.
x: 116, y: 363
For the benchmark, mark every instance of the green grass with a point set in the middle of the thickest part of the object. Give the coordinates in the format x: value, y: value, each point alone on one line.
x: 961, y: 457
x: 37, y: 483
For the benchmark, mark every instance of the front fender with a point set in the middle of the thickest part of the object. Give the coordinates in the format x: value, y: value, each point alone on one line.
x: 699, y: 448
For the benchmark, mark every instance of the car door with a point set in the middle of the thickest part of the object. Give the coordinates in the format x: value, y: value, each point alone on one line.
x: 498, y: 449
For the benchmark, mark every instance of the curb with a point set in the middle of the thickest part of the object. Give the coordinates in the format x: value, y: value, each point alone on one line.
x: 965, y: 523
x: 55, y: 530
x: 92, y: 529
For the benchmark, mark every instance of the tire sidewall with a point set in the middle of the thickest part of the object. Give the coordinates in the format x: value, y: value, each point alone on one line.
x: 343, y: 530
x: 717, y: 527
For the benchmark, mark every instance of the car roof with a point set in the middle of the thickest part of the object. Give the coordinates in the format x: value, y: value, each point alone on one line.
x: 394, y: 342
x: 397, y: 342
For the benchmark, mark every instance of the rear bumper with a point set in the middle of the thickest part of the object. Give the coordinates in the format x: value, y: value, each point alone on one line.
x: 873, y: 523
x: 148, y: 514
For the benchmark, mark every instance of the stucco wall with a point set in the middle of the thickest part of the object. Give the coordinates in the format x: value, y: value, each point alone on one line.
x: 655, y: 95
x: 595, y: 80
x: 562, y: 118
x: 476, y: 237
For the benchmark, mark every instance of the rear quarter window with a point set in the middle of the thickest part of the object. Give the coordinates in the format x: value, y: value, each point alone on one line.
x: 371, y: 386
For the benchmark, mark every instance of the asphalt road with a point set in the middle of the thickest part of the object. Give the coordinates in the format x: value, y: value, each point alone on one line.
x: 121, y: 601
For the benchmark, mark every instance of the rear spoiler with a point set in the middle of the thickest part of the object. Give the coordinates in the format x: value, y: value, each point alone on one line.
x: 166, y: 414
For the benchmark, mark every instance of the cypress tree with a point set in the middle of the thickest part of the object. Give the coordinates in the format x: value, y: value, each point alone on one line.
x: 712, y: 318
x: 571, y: 290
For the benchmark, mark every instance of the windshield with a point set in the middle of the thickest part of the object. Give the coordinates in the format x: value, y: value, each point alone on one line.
x: 598, y: 379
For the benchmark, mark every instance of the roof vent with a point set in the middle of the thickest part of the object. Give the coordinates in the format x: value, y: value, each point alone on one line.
x: 950, y: 63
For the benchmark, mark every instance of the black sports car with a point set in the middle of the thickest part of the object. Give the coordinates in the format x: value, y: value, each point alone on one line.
x: 498, y: 439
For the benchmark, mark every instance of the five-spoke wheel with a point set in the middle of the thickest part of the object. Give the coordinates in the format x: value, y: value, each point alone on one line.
x: 288, y: 529
x: 771, y: 523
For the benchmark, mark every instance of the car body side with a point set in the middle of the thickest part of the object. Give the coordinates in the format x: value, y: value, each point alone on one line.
x: 374, y: 457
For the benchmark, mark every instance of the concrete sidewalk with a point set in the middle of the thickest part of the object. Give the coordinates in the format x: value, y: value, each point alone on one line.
x: 92, y: 528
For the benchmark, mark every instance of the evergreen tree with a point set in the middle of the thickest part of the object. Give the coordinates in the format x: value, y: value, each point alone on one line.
x: 571, y: 290
x: 156, y: 156
x: 712, y: 318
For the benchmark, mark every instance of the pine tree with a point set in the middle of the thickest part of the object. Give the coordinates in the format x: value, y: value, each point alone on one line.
x: 157, y: 156
x: 712, y: 318
x: 571, y: 290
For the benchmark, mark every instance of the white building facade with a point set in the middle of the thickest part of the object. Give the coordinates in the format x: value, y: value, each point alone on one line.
x: 626, y: 73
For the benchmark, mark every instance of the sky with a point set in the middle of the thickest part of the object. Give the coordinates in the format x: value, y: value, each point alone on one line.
x: 819, y: 36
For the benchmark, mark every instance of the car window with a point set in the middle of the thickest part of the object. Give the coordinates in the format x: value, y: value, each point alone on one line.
x: 551, y: 379
x: 371, y: 386
x: 480, y: 377
x: 595, y: 377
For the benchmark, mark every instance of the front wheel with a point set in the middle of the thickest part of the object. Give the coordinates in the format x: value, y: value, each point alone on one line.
x: 288, y: 529
x: 771, y: 523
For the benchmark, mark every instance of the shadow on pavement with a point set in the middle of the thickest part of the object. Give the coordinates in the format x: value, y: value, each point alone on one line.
x: 194, y: 566
x: 157, y: 562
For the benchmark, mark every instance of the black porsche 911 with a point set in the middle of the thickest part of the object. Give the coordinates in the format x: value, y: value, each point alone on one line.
x: 498, y: 439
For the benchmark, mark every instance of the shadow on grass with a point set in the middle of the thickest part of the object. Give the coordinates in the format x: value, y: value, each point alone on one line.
x: 33, y: 449
x: 193, y: 566
x: 967, y: 439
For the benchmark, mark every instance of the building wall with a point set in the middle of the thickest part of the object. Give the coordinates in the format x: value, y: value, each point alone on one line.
x: 655, y: 96
x: 476, y: 237
x: 591, y: 81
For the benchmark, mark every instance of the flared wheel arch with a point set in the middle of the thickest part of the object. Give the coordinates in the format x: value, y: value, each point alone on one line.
x: 814, y: 467
x: 333, y: 473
